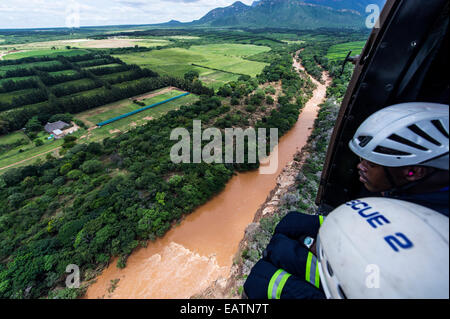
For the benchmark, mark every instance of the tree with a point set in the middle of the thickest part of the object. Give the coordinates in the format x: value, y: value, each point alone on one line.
x: 74, y: 174
x: 244, y: 78
x: 33, y: 125
x: 66, y: 117
x: 191, y: 75
x: 65, y: 168
x: 38, y: 142
x: 225, y: 91
x: 235, y: 101
x: 91, y: 166
x: 69, y: 141
x: 160, y: 198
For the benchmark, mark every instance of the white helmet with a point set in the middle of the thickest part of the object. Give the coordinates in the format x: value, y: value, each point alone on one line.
x: 405, y: 134
x: 384, y: 248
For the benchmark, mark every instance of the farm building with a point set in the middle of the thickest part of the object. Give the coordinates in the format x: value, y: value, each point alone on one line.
x: 59, y: 125
x: 58, y: 134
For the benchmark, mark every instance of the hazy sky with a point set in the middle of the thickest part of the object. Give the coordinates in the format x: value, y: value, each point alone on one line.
x: 60, y: 13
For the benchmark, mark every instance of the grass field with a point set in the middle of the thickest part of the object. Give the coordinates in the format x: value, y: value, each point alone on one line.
x: 103, y: 113
x: 114, y: 75
x: 340, y: 51
x: 8, y: 97
x: 121, y: 42
x: 216, y: 79
x: 129, y: 107
x: 37, y: 105
x: 111, y: 65
x: 18, y: 78
x: 94, y: 116
x: 13, y: 137
x: 87, y: 93
x: 178, y: 61
x: 27, y: 154
x: 5, y: 68
x: 78, y: 46
x: 64, y: 72
x: 84, y: 81
x: 49, y: 52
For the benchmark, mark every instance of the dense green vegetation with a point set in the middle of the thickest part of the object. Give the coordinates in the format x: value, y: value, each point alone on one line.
x: 328, y: 53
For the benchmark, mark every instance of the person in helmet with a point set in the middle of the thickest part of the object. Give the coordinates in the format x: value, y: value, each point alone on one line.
x: 404, y: 152
x: 403, y: 253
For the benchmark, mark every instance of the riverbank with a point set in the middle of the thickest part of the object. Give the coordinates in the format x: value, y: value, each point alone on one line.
x: 296, y: 189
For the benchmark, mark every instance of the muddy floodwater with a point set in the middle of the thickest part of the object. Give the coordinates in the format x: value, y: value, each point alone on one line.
x: 200, y: 250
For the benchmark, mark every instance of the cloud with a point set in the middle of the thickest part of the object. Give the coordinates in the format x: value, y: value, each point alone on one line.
x: 52, y: 13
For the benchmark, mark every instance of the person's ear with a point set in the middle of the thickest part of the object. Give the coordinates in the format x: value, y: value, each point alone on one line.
x: 414, y: 173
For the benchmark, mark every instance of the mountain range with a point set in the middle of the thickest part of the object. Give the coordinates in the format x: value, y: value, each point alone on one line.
x: 293, y: 14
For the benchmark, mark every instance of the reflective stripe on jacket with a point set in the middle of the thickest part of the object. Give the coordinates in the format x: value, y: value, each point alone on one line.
x: 257, y: 284
x: 289, y: 270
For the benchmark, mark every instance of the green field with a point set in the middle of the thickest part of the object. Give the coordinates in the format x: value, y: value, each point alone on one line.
x: 8, y: 97
x: 11, y: 138
x: 64, y: 72
x: 48, y: 52
x: 340, y: 51
x: 111, y: 65
x: 216, y: 79
x: 5, y: 68
x: 27, y: 153
x: 106, y: 112
x: 150, y: 43
x: 19, y: 78
x: 128, y: 42
x: 113, y: 76
x: 94, y: 116
x: 84, y: 81
x: 87, y: 93
x: 129, y: 107
x: 222, y: 57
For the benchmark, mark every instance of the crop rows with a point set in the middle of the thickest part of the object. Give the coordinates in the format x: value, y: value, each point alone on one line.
x: 34, y: 83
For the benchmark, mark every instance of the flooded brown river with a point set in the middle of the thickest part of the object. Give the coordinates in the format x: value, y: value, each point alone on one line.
x: 200, y: 249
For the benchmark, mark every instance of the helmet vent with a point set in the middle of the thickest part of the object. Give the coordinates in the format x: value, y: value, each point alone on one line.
x: 401, y: 140
x: 389, y: 151
x: 330, y: 270
x: 440, y: 127
x: 341, y: 292
x: 423, y: 134
x: 364, y: 140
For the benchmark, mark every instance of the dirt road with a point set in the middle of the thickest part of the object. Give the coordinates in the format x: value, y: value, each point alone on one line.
x: 30, y: 158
